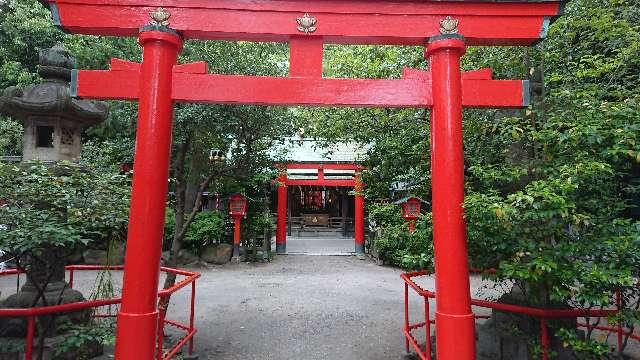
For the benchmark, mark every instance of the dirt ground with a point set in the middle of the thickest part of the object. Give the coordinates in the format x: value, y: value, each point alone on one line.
x: 295, y: 307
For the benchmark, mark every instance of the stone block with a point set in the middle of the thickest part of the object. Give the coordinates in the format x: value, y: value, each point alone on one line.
x: 217, y: 254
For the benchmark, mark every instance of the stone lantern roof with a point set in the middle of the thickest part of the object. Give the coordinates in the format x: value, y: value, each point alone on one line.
x: 52, y: 97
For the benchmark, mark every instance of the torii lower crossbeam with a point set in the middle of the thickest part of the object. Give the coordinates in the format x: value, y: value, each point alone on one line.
x: 413, y: 90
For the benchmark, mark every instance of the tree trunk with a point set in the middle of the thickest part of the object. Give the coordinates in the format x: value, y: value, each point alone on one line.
x: 187, y: 205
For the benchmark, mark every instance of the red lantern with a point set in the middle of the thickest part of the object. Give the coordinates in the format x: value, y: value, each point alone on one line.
x: 411, y: 211
x: 237, y: 210
x: 237, y: 206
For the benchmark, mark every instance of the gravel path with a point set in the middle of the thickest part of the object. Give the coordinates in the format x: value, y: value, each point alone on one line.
x: 301, y: 307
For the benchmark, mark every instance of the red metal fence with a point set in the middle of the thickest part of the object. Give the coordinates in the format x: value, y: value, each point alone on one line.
x: 543, y: 315
x: 189, y: 329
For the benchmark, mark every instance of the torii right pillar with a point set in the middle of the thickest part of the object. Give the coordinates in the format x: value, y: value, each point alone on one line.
x: 455, y: 338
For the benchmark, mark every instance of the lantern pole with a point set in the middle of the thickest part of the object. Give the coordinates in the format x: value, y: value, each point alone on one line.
x: 455, y: 338
x: 236, y: 238
x: 281, y: 224
x: 412, y: 226
x: 138, y: 315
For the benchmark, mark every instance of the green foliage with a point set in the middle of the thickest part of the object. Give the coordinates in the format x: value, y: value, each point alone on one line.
x: 78, y: 338
x: 586, y: 349
x: 108, y: 154
x: 169, y: 225
x: 10, y: 346
x: 260, y: 221
x: 382, y: 215
x: 10, y: 136
x: 59, y: 205
x: 25, y: 29
x: 207, y: 228
x: 409, y: 251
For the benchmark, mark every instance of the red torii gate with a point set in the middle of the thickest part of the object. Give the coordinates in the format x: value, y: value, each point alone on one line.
x: 355, y: 183
x: 444, y: 27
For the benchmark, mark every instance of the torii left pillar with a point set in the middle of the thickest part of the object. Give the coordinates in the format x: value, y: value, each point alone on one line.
x: 138, y: 316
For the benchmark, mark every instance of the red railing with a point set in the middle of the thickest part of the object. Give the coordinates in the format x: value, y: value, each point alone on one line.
x: 188, y: 329
x: 542, y: 314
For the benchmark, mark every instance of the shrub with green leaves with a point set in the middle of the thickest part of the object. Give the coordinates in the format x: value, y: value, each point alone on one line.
x: 79, y: 339
x: 409, y: 251
x: 59, y: 205
x: 207, y: 229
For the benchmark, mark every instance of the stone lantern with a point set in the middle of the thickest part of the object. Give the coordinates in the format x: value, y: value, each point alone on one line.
x: 53, y: 120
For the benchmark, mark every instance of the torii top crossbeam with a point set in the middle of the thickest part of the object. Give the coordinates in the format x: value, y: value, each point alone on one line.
x: 344, y: 22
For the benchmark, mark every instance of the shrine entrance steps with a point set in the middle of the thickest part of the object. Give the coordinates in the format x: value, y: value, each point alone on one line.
x: 308, y: 244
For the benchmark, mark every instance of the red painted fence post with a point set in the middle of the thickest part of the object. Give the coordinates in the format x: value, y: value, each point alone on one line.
x: 359, y: 215
x: 138, y: 316
x: 31, y: 330
x: 406, y: 317
x: 455, y: 336
x: 281, y: 225
x: 544, y: 339
x: 192, y: 315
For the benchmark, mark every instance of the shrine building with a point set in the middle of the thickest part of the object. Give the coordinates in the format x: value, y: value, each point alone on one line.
x: 317, y: 192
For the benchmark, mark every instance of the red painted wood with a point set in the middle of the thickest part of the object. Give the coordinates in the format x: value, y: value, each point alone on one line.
x: 281, y: 224
x: 401, y: 23
x: 236, y: 234
x: 239, y: 89
x: 199, y: 67
x: 138, y: 315
x: 348, y: 22
x: 305, y: 56
x: 454, y: 320
x: 123, y: 65
x: 451, y: 7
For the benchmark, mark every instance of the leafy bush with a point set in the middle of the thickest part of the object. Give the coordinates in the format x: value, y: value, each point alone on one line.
x: 59, y: 205
x: 169, y: 227
x: 586, y: 349
x: 80, y: 338
x: 259, y: 222
x: 207, y: 228
x: 382, y: 215
x: 408, y: 251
